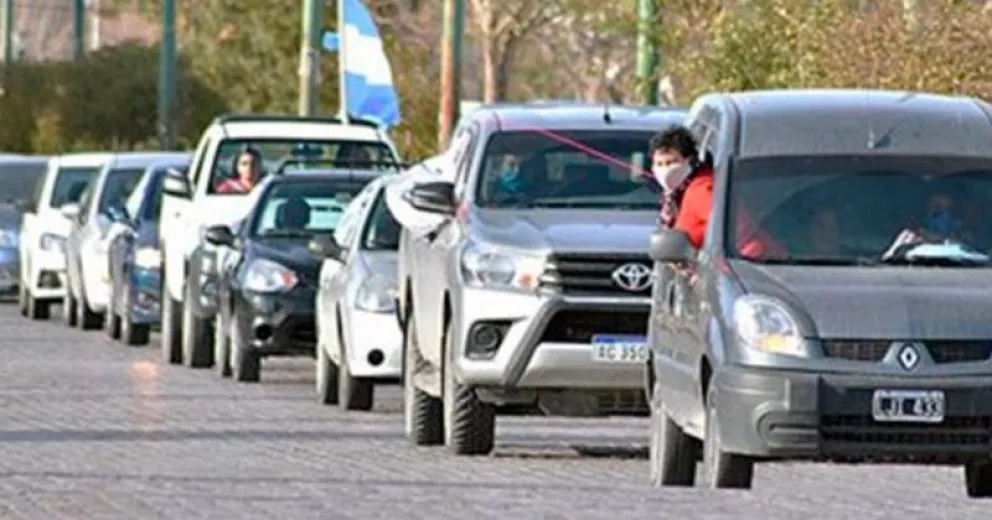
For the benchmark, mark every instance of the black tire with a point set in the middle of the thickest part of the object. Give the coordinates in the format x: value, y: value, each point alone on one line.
x: 22, y: 299
x: 197, y: 336
x: 422, y: 413
x: 246, y: 363
x: 722, y: 469
x: 112, y: 320
x: 70, y: 310
x: 132, y: 333
x: 85, y: 317
x: 326, y: 377
x: 354, y: 393
x: 222, y: 348
x: 672, y: 453
x: 469, y: 424
x: 171, y: 335
x: 978, y: 478
x: 38, y: 310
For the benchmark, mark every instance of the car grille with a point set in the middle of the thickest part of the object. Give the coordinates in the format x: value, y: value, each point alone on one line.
x: 941, y: 351
x: 590, y: 274
x: 862, y: 429
x: 579, y: 326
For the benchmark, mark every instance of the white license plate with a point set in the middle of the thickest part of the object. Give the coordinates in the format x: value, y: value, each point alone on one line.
x: 923, y: 406
x: 619, y: 349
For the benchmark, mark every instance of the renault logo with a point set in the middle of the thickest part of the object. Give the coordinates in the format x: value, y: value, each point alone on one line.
x: 633, y: 277
x: 909, y: 355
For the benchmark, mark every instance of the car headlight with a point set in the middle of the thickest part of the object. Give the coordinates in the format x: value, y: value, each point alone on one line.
x: 148, y: 258
x: 52, y: 242
x: 765, y: 325
x: 8, y: 238
x: 485, y: 267
x: 267, y: 276
x: 376, y: 294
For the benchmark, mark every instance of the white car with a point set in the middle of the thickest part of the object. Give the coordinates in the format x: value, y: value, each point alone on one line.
x: 359, y: 342
x: 192, y: 203
x: 44, y: 229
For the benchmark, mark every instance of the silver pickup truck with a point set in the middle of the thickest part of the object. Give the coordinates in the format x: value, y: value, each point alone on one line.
x: 533, y: 289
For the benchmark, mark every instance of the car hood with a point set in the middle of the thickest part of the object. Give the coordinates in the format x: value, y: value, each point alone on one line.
x: 292, y: 253
x: 888, y: 302
x: 380, y: 263
x: 572, y: 230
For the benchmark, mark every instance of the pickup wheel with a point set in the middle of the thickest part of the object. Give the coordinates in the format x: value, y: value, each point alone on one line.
x: 354, y: 393
x: 85, y: 317
x: 171, y: 329
x: 222, y: 348
x: 978, y: 478
x: 722, y: 469
x: 672, y: 453
x: 196, y: 335
x: 422, y: 412
x: 70, y: 312
x: 469, y: 424
x: 326, y: 377
x: 37, y: 310
x: 112, y: 320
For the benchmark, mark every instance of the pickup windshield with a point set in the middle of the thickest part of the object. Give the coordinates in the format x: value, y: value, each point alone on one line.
x: 589, y: 169
x: 861, y: 210
x: 70, y: 183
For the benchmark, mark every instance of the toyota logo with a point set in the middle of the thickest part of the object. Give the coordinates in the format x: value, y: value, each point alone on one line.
x: 633, y: 277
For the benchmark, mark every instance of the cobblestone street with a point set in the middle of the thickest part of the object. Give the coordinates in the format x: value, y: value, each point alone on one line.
x: 94, y: 429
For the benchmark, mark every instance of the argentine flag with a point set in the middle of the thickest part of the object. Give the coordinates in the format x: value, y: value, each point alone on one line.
x: 368, y: 80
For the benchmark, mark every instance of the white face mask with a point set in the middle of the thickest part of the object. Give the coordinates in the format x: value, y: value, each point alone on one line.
x: 672, y: 176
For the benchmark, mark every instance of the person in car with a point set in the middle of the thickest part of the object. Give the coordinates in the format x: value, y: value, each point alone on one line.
x: 293, y: 214
x: 687, y: 184
x: 510, y: 179
x: 941, y: 221
x: 824, y: 233
x: 248, y: 167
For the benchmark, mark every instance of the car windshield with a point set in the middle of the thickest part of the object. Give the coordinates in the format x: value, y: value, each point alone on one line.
x: 119, y: 184
x: 569, y: 169
x: 302, y: 209
x: 19, y: 179
x: 863, y: 210
x: 359, y: 154
x: 382, y: 232
x: 70, y: 183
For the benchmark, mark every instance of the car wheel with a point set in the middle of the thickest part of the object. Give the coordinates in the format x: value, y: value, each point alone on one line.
x: 422, y: 412
x: 222, y: 348
x: 978, y: 478
x: 469, y: 424
x: 196, y: 336
x: 671, y: 452
x: 722, y: 469
x: 246, y: 363
x: 112, y: 320
x: 132, y: 333
x: 70, y: 312
x: 171, y: 330
x: 37, y: 310
x: 354, y: 393
x: 22, y: 299
x: 326, y: 377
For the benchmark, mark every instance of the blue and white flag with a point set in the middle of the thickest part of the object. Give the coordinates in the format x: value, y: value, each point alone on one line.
x: 368, y: 79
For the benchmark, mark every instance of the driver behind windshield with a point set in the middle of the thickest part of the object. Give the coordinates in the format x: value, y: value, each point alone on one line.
x: 248, y: 171
x: 294, y: 214
x: 510, y: 178
x: 941, y: 221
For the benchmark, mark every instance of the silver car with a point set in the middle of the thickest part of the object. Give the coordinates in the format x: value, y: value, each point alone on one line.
x: 358, y: 335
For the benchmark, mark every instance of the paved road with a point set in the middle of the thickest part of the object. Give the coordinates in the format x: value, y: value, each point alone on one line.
x: 94, y: 429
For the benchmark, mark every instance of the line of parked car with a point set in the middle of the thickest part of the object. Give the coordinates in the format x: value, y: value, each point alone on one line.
x: 522, y: 270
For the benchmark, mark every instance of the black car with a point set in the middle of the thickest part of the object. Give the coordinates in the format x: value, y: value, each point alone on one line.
x: 839, y: 306
x: 135, y: 260
x: 268, y: 281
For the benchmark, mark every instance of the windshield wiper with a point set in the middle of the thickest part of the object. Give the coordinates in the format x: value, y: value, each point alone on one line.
x: 814, y: 260
x: 287, y: 233
x: 936, y: 261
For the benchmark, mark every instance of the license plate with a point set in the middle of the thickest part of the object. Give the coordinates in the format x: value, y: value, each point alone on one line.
x: 619, y: 349
x: 925, y: 406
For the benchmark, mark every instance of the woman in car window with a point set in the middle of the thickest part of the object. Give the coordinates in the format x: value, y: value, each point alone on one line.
x: 248, y: 167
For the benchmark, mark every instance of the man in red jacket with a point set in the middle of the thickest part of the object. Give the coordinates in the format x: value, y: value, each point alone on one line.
x: 687, y: 182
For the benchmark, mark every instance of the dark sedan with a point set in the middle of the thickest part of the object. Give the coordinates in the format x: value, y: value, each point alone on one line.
x: 135, y: 261
x: 268, y: 283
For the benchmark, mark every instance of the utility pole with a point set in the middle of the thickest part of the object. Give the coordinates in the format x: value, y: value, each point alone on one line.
x: 167, y: 78
x: 310, y: 56
x: 8, y: 32
x: 96, y: 29
x: 647, y: 52
x: 78, y: 12
x: 451, y: 64
x: 343, y: 114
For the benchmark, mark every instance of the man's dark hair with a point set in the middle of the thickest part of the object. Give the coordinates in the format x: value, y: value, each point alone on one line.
x: 678, y: 139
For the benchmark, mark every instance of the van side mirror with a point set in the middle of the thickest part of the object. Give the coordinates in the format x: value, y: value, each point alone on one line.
x: 433, y: 197
x: 176, y: 183
x: 671, y: 245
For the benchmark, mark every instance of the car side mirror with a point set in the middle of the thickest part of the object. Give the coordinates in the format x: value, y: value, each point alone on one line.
x: 119, y: 215
x: 219, y: 235
x: 176, y: 183
x: 325, y: 246
x: 671, y: 245
x: 70, y: 211
x: 433, y: 197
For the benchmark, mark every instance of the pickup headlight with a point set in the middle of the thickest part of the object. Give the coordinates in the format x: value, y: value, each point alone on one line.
x: 52, y: 242
x: 148, y: 258
x: 765, y: 325
x: 486, y: 267
x: 267, y: 276
x: 376, y: 294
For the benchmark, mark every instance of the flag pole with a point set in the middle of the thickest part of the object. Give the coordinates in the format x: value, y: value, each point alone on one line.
x: 342, y: 62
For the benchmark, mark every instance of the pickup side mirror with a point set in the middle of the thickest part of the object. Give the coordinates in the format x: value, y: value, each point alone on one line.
x: 176, y: 183
x: 219, y: 235
x: 671, y: 245
x: 119, y: 215
x: 433, y: 197
x: 70, y: 210
x: 325, y: 246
